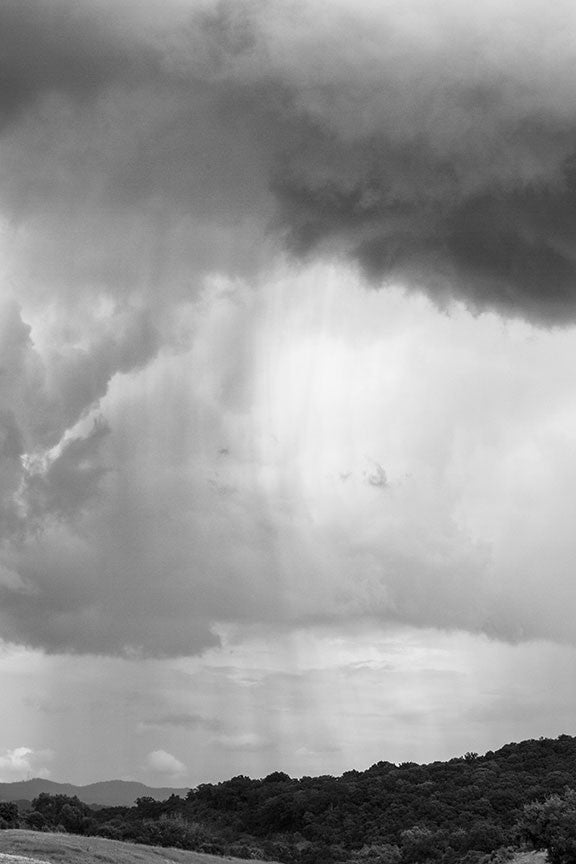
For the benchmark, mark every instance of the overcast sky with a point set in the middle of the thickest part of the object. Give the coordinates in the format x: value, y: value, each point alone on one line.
x: 287, y: 384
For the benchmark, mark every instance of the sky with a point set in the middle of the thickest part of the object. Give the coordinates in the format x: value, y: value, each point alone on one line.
x: 287, y: 388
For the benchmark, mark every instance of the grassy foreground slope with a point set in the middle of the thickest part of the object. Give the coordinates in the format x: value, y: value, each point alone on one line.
x: 529, y: 858
x: 73, y: 849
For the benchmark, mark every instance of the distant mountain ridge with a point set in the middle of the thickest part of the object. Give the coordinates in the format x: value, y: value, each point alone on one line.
x: 110, y: 793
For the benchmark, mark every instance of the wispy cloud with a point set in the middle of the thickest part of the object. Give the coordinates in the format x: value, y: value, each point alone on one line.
x: 182, y: 720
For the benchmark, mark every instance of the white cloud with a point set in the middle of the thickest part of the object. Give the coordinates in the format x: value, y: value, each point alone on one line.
x: 24, y: 763
x: 160, y: 762
x: 216, y: 489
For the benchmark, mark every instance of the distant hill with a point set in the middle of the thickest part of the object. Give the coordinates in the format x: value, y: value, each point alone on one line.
x: 109, y: 793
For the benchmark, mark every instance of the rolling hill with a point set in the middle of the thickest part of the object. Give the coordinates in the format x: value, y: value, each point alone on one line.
x: 109, y: 793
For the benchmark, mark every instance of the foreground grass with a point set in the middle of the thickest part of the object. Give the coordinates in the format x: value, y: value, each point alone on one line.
x: 530, y: 858
x: 73, y: 849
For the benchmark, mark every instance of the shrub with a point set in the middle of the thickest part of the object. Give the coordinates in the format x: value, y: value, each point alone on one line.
x: 551, y: 825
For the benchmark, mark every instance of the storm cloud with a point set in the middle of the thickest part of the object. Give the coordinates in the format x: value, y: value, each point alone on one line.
x: 162, y: 167
x: 431, y: 144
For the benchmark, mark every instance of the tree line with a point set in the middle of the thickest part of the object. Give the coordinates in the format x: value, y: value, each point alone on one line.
x: 472, y: 809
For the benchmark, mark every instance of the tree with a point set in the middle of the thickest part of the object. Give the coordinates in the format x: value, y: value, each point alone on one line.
x: 72, y: 818
x: 419, y: 843
x: 35, y: 820
x: 62, y: 810
x: 551, y: 825
x: 277, y: 777
x: 470, y: 756
x: 8, y: 814
x: 148, y: 808
x: 378, y: 853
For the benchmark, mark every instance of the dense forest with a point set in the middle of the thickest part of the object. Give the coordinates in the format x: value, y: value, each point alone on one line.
x: 471, y: 809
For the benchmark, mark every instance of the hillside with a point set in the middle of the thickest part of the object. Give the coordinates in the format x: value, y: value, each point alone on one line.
x: 468, y: 810
x: 72, y: 849
x: 110, y: 793
x: 462, y: 809
x: 483, y: 794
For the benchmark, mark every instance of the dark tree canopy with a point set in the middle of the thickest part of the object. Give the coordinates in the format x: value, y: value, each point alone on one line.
x: 469, y: 810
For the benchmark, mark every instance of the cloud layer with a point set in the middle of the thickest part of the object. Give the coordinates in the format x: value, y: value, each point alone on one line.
x: 172, y: 408
x: 431, y: 145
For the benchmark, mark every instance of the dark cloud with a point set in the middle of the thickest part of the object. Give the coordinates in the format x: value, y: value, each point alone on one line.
x: 421, y: 145
x: 44, y: 474
x: 430, y: 148
x: 511, y: 252
x: 62, y: 46
x: 65, y: 603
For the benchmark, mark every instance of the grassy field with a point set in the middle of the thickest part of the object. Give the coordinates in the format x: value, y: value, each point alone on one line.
x: 72, y: 849
x: 529, y: 858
